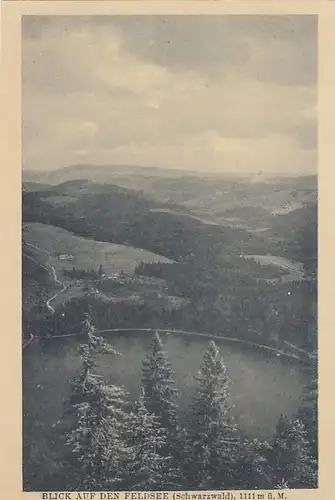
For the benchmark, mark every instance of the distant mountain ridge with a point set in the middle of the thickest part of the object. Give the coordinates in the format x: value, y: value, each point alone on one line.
x: 104, y: 173
x: 107, y: 172
x: 207, y: 195
x: 111, y: 213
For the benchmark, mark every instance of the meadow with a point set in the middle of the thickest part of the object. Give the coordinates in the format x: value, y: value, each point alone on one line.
x: 87, y: 253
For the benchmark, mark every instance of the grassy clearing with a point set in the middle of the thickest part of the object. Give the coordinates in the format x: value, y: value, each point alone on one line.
x: 49, y: 242
x: 87, y: 254
x: 288, y: 269
x: 268, y: 260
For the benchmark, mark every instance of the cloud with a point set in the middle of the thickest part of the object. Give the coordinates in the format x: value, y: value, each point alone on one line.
x: 151, y: 91
x: 273, y: 48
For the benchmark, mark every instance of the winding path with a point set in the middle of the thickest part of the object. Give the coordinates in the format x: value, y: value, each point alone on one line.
x: 277, y: 352
x: 64, y: 288
x: 52, y: 271
x: 29, y: 341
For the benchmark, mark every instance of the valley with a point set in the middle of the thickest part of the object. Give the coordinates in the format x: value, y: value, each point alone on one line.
x: 169, y: 253
x: 194, y: 258
x: 120, y: 246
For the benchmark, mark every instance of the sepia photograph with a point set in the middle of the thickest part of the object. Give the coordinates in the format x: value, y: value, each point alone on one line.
x: 169, y: 252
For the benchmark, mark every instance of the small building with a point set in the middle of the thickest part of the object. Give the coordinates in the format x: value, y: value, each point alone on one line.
x: 65, y: 256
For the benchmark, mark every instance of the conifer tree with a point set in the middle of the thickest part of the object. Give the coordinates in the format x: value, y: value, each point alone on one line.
x: 212, y: 438
x: 253, y: 468
x: 159, y: 392
x: 95, y: 441
x: 149, y: 467
x: 159, y: 398
x: 292, y: 463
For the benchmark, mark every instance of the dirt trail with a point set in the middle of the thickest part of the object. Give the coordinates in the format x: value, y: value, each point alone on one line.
x: 52, y: 272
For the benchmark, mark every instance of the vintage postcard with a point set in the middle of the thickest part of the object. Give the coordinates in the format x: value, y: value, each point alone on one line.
x: 167, y: 198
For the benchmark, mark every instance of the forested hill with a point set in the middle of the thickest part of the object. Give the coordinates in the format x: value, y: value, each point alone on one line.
x: 299, y: 229
x: 119, y: 215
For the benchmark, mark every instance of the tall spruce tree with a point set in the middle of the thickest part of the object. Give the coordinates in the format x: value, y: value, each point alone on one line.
x: 292, y: 462
x: 159, y: 398
x: 149, y: 467
x: 159, y: 392
x: 212, y: 439
x: 96, y: 439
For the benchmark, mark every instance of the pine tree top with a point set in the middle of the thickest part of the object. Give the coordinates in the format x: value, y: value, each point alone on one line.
x: 156, y: 367
x: 159, y: 391
x: 210, y: 410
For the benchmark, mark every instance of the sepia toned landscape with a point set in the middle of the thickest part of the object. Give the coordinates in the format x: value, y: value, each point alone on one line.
x: 169, y: 305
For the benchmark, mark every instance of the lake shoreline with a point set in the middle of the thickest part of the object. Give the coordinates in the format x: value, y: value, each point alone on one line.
x: 245, y: 343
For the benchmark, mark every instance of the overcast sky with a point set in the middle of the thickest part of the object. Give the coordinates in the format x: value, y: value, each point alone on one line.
x: 213, y: 93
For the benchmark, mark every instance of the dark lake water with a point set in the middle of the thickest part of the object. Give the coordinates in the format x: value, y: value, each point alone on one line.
x: 263, y: 386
